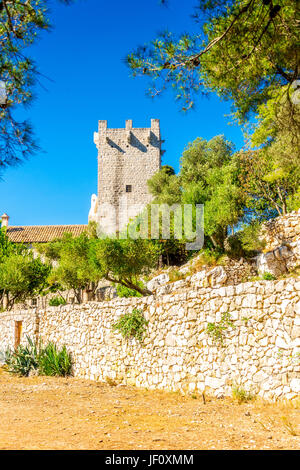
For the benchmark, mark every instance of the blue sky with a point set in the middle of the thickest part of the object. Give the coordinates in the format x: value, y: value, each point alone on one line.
x: 83, y: 57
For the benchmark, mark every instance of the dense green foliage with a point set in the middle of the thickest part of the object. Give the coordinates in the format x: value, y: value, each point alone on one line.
x: 83, y: 261
x: 54, y: 362
x: 56, y: 301
x: 33, y: 356
x: 123, y: 291
x: 209, y: 176
x: 75, y: 269
x: 24, y: 359
x: 132, y: 325
x: 124, y: 261
x: 241, y: 49
x: 22, y: 275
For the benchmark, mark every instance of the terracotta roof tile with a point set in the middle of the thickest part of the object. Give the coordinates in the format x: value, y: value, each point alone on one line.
x: 42, y: 233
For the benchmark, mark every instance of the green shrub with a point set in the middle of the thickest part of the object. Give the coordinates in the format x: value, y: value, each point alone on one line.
x: 216, y: 331
x: 175, y: 275
x: 45, y: 360
x: 23, y: 359
x: 249, y: 237
x: 293, y: 201
x: 234, y: 247
x: 55, y: 362
x: 56, y: 301
x: 268, y: 277
x: 206, y: 257
x: 132, y: 325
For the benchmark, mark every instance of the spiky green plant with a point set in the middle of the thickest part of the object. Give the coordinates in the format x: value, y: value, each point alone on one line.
x: 55, y: 362
x: 33, y: 356
x: 23, y: 359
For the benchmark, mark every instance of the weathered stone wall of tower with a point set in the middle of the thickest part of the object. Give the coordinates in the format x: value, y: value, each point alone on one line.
x: 126, y: 158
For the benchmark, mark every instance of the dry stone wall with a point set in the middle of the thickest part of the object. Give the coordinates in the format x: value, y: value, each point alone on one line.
x: 259, y: 350
x: 282, y: 251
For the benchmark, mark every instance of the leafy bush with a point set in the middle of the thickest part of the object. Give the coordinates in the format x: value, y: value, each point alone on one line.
x: 56, y: 301
x: 132, y: 324
x: 234, y: 247
x: 249, y: 237
x: 216, y: 331
x: 207, y: 257
x: 45, y: 360
x: 268, y: 277
x: 54, y: 362
x: 23, y: 359
x: 293, y: 201
x: 175, y: 275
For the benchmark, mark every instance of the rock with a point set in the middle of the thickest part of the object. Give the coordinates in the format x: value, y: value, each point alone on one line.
x: 269, y: 263
x: 217, y: 276
x: 158, y: 281
x: 295, y: 385
x: 198, y: 278
x: 214, y: 382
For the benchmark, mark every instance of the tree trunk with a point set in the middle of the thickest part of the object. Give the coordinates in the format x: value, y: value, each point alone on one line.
x: 130, y: 285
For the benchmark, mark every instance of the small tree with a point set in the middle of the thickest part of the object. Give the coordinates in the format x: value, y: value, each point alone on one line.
x: 22, y: 277
x: 124, y: 261
x: 75, y: 269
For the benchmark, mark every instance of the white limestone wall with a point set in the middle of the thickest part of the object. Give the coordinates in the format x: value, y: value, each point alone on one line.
x: 260, y: 351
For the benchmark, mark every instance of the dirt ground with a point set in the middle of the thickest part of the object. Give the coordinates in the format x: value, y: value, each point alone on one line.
x: 59, y: 413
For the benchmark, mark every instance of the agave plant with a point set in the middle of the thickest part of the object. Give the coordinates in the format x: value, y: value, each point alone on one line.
x: 44, y: 360
x: 23, y: 359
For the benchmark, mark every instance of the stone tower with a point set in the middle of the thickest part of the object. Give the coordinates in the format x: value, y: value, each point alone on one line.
x: 127, y: 158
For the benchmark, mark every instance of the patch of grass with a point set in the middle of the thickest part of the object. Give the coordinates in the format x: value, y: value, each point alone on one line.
x: 132, y: 325
x: 251, y: 279
x: 268, y: 277
x: 294, y: 273
x: 175, y: 275
x: 289, y: 426
x: 110, y: 382
x: 242, y: 395
x: 206, y: 257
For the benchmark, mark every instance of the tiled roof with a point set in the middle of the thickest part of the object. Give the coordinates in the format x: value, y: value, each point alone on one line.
x: 42, y: 233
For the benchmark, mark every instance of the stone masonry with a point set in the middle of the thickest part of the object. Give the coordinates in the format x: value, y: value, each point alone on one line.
x: 282, y: 251
x: 260, y: 350
x: 127, y: 159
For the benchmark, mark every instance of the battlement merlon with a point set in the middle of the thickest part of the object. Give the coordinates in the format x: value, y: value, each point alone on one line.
x: 104, y: 132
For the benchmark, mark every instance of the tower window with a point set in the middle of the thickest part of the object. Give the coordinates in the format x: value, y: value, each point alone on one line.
x: 128, y: 188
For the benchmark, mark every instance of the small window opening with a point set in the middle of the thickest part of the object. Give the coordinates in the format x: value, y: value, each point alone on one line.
x: 128, y: 188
